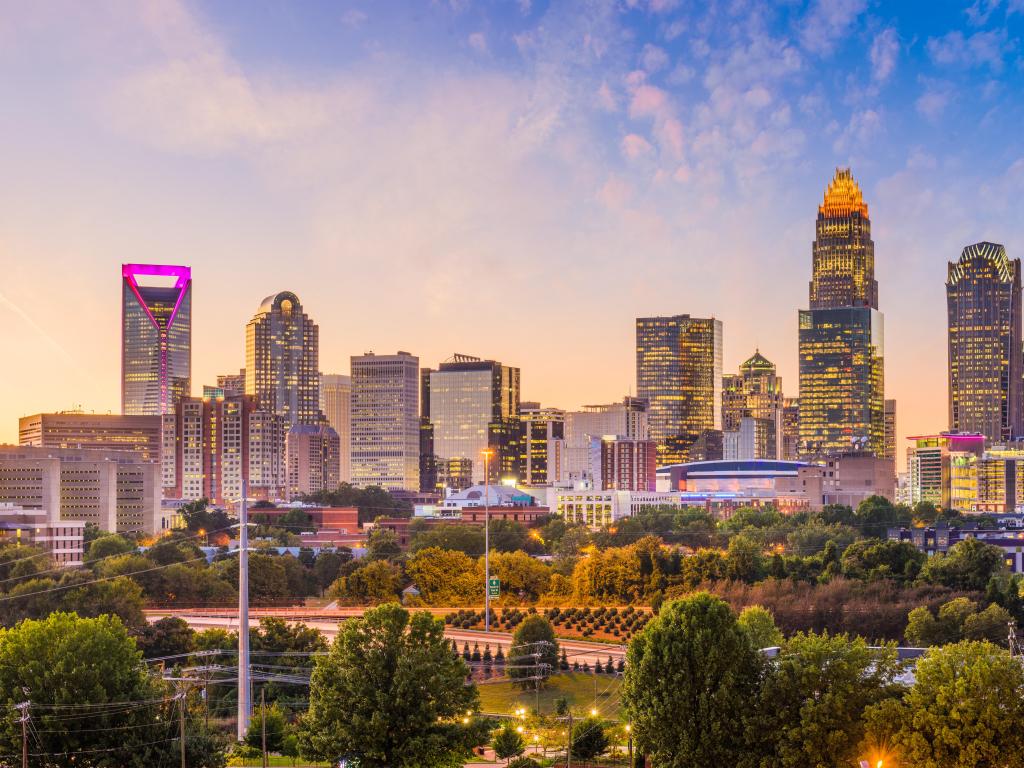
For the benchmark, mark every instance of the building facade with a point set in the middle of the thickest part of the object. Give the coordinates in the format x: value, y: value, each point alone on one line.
x: 841, y: 337
x: 930, y: 462
x: 627, y: 418
x: 62, y: 540
x: 541, y: 445
x: 983, y: 302
x: 282, y: 358
x: 336, y: 405
x: 473, y: 406
x: 139, y: 435
x: 312, y: 459
x: 679, y: 374
x: 385, y: 421
x: 752, y: 411
x: 156, y: 338
x: 889, y: 444
x: 623, y: 463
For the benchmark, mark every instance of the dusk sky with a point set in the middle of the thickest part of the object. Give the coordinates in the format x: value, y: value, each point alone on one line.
x: 514, y: 180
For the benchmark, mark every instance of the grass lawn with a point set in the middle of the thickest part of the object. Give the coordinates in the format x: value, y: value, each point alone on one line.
x: 577, y: 687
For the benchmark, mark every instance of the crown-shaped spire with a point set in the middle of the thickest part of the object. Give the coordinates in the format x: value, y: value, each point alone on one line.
x: 843, y: 196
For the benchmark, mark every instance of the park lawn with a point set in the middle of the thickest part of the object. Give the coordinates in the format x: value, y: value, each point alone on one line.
x: 578, y: 687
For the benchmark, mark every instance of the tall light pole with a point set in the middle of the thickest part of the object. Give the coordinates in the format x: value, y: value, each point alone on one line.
x: 487, y: 539
x: 244, y: 708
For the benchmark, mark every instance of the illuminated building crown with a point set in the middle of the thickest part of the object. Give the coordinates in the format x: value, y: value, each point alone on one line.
x: 843, y: 196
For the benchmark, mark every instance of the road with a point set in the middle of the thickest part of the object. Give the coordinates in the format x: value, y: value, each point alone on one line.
x: 575, y: 650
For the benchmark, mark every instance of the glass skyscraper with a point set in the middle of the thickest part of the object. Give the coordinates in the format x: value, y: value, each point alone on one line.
x: 156, y: 338
x: 282, y: 358
x: 841, y: 336
x: 983, y: 300
x: 679, y: 374
x: 755, y: 393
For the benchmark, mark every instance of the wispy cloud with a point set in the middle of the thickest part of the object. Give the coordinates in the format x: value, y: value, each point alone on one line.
x: 827, y: 22
x: 885, y: 50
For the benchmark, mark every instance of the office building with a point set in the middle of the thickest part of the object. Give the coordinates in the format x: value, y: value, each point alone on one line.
x: 679, y: 374
x: 61, y: 539
x: 889, y: 444
x: 752, y: 411
x: 627, y: 418
x: 312, y: 459
x: 385, y: 421
x: 790, y: 429
x: 282, y: 359
x: 111, y: 489
x: 473, y: 406
x: 214, y: 445
x: 541, y: 445
x: 598, y: 509
x: 139, y: 435
x: 841, y: 336
x: 156, y: 338
x: 623, y: 464
x: 930, y: 460
x: 336, y: 405
x: 983, y: 301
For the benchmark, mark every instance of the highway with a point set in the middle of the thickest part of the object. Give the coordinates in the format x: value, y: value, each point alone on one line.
x: 576, y: 650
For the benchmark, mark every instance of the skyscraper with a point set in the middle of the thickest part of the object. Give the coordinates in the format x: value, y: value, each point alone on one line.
x: 312, y: 459
x: 841, y: 335
x: 755, y: 393
x: 679, y: 373
x: 385, y: 421
x: 889, y: 451
x: 336, y: 405
x: 282, y: 355
x: 474, y: 405
x: 541, y: 444
x: 156, y: 338
x: 983, y: 299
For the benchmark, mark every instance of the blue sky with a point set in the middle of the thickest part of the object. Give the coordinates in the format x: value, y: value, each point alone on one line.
x: 517, y: 180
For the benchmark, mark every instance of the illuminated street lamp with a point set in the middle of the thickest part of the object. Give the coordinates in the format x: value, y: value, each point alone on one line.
x: 487, y: 453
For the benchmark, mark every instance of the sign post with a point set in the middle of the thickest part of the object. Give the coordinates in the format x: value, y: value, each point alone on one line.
x: 493, y: 588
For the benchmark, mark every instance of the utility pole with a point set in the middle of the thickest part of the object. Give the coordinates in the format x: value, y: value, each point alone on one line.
x: 568, y: 743
x: 23, y: 708
x: 263, y: 723
x: 486, y: 540
x: 181, y: 722
x: 244, y: 707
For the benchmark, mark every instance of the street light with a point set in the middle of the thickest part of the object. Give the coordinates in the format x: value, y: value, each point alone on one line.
x: 487, y: 453
x: 629, y: 741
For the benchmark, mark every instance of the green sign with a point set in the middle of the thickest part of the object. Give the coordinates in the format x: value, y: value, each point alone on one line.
x: 493, y: 587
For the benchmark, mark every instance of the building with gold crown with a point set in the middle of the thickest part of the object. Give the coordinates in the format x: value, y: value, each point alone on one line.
x: 841, y: 341
x: 983, y: 300
x: 753, y: 410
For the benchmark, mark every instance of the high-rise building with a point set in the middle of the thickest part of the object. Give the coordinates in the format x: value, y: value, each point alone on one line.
x: 628, y: 419
x: 385, y: 421
x: 889, y: 450
x: 282, y: 356
x: 156, y: 338
x: 139, y: 435
x: 841, y: 335
x: 983, y: 299
x: 541, y: 445
x: 790, y: 429
x: 623, y: 463
x: 214, y: 445
x: 474, y: 406
x: 754, y: 394
x: 232, y: 384
x: 312, y: 459
x: 679, y: 373
x: 930, y: 462
x: 336, y: 405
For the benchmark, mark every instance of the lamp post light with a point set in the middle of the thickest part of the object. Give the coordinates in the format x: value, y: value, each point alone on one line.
x: 487, y: 453
x: 629, y: 742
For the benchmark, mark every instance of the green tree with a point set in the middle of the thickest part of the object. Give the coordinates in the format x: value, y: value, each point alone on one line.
x: 468, y: 539
x: 382, y: 544
x: 812, y: 700
x: 691, y: 680
x: 277, y: 728
x: 327, y: 566
x: 876, y: 514
x: 168, y: 636
x: 533, y: 643
x: 964, y: 710
x: 108, y: 546
x: 759, y: 624
x: 744, y: 560
x: 391, y: 693
x: 377, y: 582
x: 991, y: 624
x: 507, y: 743
x: 589, y: 739
x: 968, y: 565
x: 446, y: 577
x: 874, y: 559
x: 291, y: 648
x: 199, y: 517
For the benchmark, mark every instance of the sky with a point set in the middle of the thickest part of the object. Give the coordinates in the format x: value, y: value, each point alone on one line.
x: 515, y: 180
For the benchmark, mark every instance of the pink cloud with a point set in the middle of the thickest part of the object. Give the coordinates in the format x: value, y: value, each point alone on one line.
x: 634, y: 145
x: 648, y: 100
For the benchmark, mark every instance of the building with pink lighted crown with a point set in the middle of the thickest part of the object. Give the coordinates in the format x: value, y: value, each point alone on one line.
x: 156, y: 338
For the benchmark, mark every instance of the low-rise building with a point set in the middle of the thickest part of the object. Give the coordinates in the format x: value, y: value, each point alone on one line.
x: 940, y: 539
x: 62, y: 539
x: 598, y: 508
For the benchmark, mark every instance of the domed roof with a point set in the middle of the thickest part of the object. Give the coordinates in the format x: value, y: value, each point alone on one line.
x: 843, y: 196
x: 757, y: 363
x: 275, y: 300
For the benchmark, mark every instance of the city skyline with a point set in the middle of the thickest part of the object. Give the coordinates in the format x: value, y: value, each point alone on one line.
x: 755, y: 151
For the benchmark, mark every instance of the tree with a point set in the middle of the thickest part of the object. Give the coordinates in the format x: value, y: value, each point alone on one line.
x: 70, y: 666
x: 873, y: 559
x: 446, y: 577
x: 390, y: 693
x: 521, y: 574
x: 533, y: 643
x: 969, y: 565
x: 876, y: 514
x: 382, y: 544
x: 744, y: 560
x: 964, y: 709
x: 108, y: 546
x: 327, y: 566
x: 377, y: 582
x: 168, y: 636
x: 468, y: 539
x: 199, y: 517
x: 692, y: 660
x: 508, y: 743
x: 294, y: 648
x: 759, y: 624
x: 812, y: 700
x: 277, y: 728
x: 588, y: 739
x: 957, y: 620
